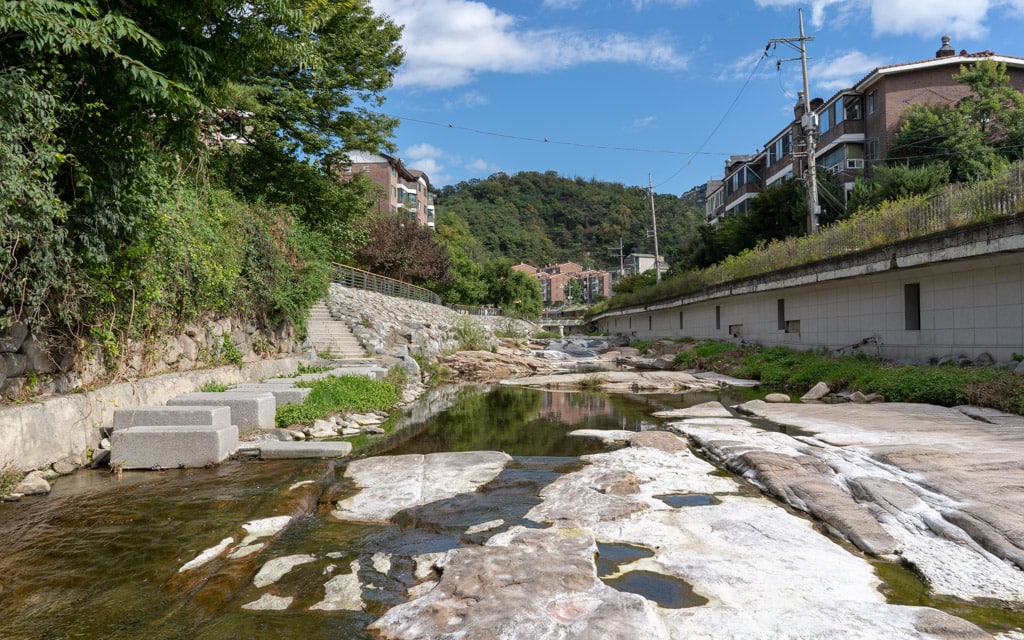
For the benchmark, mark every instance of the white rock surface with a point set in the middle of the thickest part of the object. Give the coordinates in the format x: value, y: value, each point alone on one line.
x: 269, y: 602
x: 207, y: 555
x: 275, y: 568
x: 389, y: 484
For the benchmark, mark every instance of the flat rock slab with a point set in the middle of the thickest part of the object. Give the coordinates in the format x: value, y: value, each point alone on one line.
x: 619, y: 381
x: 389, y: 484
x: 281, y: 450
x: 157, y: 416
x: 250, y: 410
x: 710, y: 409
x: 761, y: 571
x: 946, y: 489
x: 172, y: 446
x: 542, y: 584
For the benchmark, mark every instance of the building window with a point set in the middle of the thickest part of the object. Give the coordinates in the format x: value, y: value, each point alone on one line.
x: 912, y: 306
x: 871, y: 149
x: 781, y: 309
x: 718, y: 318
x: 650, y: 323
x: 825, y: 120
x: 872, y: 101
x: 852, y: 105
x: 837, y: 111
x: 680, y: 319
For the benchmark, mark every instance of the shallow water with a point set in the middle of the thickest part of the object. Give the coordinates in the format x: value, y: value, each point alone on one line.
x: 99, y: 557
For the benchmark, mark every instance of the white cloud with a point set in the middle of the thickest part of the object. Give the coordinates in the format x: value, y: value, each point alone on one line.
x: 468, y: 99
x: 844, y: 71
x: 962, y: 18
x: 428, y: 159
x: 641, y: 123
x: 562, y: 4
x: 482, y: 167
x: 965, y: 19
x: 452, y: 41
x: 818, y: 7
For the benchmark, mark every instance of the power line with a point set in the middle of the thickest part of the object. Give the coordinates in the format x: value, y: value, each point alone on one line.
x: 567, y: 143
x: 728, y: 111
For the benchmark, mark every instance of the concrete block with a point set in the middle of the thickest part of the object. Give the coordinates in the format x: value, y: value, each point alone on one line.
x: 156, y: 416
x: 276, y: 450
x: 250, y: 410
x: 172, y: 446
x: 282, y: 394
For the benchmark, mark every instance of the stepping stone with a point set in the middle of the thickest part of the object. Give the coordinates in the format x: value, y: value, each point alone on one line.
x: 282, y: 394
x: 172, y: 446
x: 250, y: 410
x: 157, y: 416
x: 305, y: 449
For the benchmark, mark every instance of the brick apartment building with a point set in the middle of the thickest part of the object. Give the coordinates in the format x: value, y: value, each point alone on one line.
x: 406, y: 191
x: 856, y: 127
x: 554, y: 282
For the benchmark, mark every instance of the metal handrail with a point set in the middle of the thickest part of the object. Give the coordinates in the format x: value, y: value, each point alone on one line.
x: 367, y: 281
x: 358, y: 279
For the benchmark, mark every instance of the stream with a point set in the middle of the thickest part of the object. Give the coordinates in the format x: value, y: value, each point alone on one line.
x: 100, y: 557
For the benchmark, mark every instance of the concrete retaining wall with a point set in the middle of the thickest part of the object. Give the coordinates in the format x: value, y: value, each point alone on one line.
x: 950, y: 294
x: 66, y: 428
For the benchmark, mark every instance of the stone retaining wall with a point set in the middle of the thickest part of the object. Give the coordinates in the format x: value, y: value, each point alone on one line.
x: 60, y: 432
x: 28, y: 369
x: 385, y: 325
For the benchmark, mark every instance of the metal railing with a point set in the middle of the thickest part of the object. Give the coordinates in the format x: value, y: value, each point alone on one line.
x: 359, y: 279
x: 367, y: 281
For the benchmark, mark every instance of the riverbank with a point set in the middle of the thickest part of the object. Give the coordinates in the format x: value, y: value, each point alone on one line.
x: 951, y: 382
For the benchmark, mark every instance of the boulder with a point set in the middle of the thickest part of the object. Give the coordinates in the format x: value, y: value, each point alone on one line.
x: 32, y: 484
x: 12, y: 337
x: 777, y: 397
x: 816, y: 393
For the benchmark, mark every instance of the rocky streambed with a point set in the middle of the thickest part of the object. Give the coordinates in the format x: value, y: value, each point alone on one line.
x: 480, y: 528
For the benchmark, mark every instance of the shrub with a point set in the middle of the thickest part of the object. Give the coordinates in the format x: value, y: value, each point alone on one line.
x: 469, y: 334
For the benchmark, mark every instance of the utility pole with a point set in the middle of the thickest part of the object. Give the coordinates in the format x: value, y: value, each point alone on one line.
x: 809, y: 124
x: 654, y: 222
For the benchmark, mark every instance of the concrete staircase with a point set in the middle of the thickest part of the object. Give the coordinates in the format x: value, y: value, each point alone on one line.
x: 330, y: 337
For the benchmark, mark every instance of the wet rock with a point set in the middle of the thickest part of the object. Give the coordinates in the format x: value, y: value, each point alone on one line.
x: 712, y: 409
x: 619, y: 381
x: 373, y: 430
x: 64, y: 466
x: 777, y: 397
x: 817, y: 392
x: 322, y: 429
x: 342, y: 593
x: 389, y: 484
x: 542, y: 584
x: 269, y: 602
x: 32, y: 484
x: 12, y: 337
x: 275, y: 568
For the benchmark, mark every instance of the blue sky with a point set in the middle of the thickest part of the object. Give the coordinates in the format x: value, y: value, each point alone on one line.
x: 619, y: 89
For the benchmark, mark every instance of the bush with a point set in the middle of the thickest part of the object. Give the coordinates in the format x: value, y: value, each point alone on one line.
x: 469, y: 335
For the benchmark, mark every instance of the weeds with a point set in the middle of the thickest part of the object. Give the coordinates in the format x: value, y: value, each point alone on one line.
x: 338, y: 394
x: 469, y: 334
x: 213, y: 387
x: 9, y: 478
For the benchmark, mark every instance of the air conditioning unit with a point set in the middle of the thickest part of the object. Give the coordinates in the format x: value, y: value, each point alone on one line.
x: 855, y: 163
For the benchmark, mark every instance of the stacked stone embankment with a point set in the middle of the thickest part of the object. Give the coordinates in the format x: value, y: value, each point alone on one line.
x: 390, y: 326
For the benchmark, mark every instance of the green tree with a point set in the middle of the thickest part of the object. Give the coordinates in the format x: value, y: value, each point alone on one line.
x: 978, y: 137
x: 516, y: 293
x: 896, y: 181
